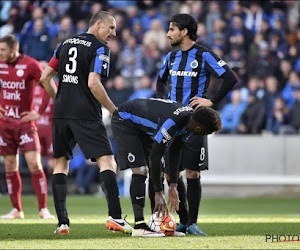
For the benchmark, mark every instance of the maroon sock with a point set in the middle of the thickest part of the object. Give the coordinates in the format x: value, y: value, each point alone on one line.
x: 39, y: 183
x: 14, y: 187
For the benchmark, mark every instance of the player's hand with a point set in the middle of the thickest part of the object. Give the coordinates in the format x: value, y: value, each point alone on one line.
x: 29, y: 116
x: 2, y: 112
x: 160, y: 204
x: 173, y: 200
x: 197, y: 102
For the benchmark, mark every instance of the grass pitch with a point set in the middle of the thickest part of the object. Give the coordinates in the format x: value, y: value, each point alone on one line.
x: 229, y: 223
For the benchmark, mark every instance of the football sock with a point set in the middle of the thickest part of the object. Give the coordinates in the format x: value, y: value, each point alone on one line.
x: 39, y: 183
x: 151, y: 194
x: 183, y: 210
x: 14, y: 187
x: 108, y: 183
x: 193, y: 197
x: 137, y: 195
x: 59, y: 190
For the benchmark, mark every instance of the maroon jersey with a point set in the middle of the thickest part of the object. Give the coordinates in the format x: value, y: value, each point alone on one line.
x: 46, y: 118
x: 18, y: 80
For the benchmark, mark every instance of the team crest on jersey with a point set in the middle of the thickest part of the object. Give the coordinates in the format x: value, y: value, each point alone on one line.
x: 104, y: 58
x: 20, y: 72
x: 194, y: 64
x: 131, y: 157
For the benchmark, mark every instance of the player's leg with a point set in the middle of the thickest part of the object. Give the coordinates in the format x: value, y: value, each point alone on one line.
x: 30, y: 146
x: 194, y: 159
x: 9, y: 149
x: 59, y: 191
x: 14, y: 186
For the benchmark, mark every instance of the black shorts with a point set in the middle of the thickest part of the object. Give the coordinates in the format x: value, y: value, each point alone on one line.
x: 195, y: 153
x: 133, y: 146
x: 91, y: 137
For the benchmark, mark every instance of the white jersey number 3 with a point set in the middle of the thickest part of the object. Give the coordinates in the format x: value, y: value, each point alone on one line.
x: 71, y: 68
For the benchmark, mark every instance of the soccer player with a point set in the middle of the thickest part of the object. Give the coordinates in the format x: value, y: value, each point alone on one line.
x: 188, y: 69
x: 19, y: 75
x: 80, y: 62
x: 44, y: 124
x: 143, y: 129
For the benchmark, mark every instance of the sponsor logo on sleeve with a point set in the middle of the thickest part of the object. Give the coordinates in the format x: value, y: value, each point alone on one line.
x: 221, y: 63
x: 104, y: 58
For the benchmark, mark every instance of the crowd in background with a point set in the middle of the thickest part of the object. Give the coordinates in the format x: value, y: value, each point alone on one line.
x: 260, y: 41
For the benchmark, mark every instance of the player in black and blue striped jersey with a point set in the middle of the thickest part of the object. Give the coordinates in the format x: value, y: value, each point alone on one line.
x: 143, y: 130
x: 187, y: 70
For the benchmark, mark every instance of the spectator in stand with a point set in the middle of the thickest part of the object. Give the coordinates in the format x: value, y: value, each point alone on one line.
x: 271, y: 93
x: 294, y: 126
x: 145, y: 91
x: 252, y: 119
x: 151, y: 13
x: 213, y: 14
x: 254, y: 86
x: 119, y: 92
x: 254, y: 17
x: 115, y: 50
x: 132, y: 61
x: 156, y: 35
x: 280, y: 116
x: 202, y: 36
x: 65, y: 31
x: 290, y: 88
x: 231, y: 113
x: 81, y: 26
x: 37, y: 45
x: 283, y: 74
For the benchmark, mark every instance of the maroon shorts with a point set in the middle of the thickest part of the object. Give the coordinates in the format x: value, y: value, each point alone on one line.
x: 14, y: 136
x: 45, y: 136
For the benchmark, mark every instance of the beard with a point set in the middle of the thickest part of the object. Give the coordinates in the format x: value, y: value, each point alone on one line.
x: 176, y: 43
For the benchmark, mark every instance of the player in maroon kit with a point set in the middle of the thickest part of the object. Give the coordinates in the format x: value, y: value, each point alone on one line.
x: 44, y: 123
x: 19, y: 75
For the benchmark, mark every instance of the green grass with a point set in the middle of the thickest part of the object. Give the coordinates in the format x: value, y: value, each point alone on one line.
x: 229, y: 223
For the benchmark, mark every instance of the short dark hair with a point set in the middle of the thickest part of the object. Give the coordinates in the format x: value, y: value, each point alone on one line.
x: 101, y: 15
x: 11, y: 41
x: 186, y: 21
x: 209, y: 118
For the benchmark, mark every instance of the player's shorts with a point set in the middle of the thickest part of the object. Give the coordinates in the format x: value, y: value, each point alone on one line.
x: 14, y: 136
x: 45, y: 136
x: 91, y: 137
x: 195, y: 153
x: 133, y: 146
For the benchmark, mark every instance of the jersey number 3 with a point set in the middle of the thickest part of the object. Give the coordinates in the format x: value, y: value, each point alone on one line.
x: 71, y: 67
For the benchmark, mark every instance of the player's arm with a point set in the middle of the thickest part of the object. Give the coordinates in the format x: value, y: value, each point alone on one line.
x: 156, y: 174
x: 174, y: 161
x: 162, y: 79
x: 47, y: 81
x: 218, y: 68
x: 99, y: 92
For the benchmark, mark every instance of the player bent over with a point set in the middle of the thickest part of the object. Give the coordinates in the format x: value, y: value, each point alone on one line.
x: 143, y: 130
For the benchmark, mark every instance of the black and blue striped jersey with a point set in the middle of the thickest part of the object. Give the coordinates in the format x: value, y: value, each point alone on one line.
x: 161, y: 119
x: 188, y: 73
x: 77, y: 57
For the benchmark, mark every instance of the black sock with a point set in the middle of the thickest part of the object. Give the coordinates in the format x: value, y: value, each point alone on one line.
x: 193, y: 197
x: 183, y: 210
x: 108, y: 183
x: 151, y: 194
x: 137, y: 194
x: 59, y: 190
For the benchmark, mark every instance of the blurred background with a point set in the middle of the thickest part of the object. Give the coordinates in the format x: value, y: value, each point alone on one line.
x: 256, y: 153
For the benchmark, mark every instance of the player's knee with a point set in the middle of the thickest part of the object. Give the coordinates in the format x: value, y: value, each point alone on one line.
x: 192, y: 174
x: 34, y: 166
x: 141, y: 170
